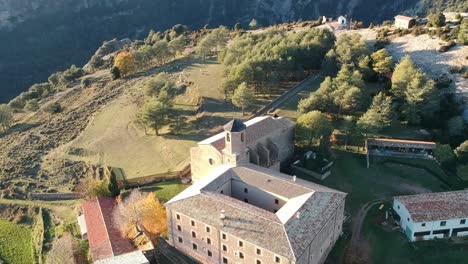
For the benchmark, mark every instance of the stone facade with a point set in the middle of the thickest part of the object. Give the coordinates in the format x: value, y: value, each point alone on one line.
x: 251, y: 214
x: 265, y: 141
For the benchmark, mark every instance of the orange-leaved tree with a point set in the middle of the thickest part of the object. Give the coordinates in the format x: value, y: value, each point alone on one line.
x: 142, y: 210
x: 125, y: 62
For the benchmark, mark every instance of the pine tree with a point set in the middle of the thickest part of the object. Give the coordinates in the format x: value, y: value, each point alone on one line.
x: 402, y: 76
x: 243, y: 97
x: 315, y: 124
x: 379, y: 115
x: 155, y: 114
x: 381, y: 61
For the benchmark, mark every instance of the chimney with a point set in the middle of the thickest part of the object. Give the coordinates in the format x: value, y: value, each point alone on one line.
x: 222, y: 216
x: 294, y: 178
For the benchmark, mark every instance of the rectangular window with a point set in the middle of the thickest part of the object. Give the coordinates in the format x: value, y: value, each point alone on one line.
x: 228, y: 137
x: 246, y: 190
x: 221, y: 192
x: 181, y: 240
x: 194, y: 234
x: 241, y: 244
x: 179, y: 228
x: 210, y: 254
x: 443, y: 223
x: 423, y: 224
x: 208, y: 241
x: 277, y: 259
x: 225, y: 249
x: 276, y: 201
x: 225, y: 261
x: 194, y: 246
x: 463, y: 221
x: 259, y: 261
x: 246, y: 200
x: 426, y: 233
x: 192, y: 222
x: 259, y: 251
x: 241, y: 255
x: 178, y: 216
x: 208, y: 229
x: 224, y: 236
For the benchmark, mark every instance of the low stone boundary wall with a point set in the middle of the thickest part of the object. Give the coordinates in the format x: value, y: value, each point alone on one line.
x: 185, y: 172
x: 56, y: 196
x: 312, y: 173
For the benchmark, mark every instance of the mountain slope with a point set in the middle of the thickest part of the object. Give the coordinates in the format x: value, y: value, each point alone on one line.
x: 39, y: 37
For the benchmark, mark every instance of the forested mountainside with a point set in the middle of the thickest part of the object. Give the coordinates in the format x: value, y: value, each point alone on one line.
x: 39, y: 37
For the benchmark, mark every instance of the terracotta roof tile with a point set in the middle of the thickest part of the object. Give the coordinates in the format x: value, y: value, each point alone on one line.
x: 436, y: 206
x: 105, y: 239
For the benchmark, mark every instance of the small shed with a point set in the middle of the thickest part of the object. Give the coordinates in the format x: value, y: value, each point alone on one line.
x: 342, y: 20
x: 83, y: 228
x: 404, y: 22
x: 326, y: 19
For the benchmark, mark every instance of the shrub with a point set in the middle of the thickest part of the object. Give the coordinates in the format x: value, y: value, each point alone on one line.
x: 115, y: 72
x: 86, y: 82
x: 444, y: 37
x: 31, y: 105
x: 416, y: 31
x: 444, y: 154
x: 456, y: 69
x: 387, y: 23
x: 443, y: 48
x: 54, y: 108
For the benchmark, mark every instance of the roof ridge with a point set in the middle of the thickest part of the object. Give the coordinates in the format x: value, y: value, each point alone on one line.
x: 105, y: 225
x: 289, y: 243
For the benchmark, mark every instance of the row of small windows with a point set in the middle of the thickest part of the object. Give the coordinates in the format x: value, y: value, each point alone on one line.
x: 444, y: 223
x: 225, y: 248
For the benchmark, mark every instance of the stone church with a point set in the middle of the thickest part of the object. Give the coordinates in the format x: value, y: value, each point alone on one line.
x: 265, y: 141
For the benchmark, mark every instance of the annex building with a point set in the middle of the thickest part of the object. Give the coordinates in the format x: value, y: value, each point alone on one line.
x: 106, y: 243
x: 433, y: 215
x: 265, y: 141
x: 251, y: 214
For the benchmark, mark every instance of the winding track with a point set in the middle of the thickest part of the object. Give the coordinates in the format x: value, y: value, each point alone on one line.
x: 353, y: 249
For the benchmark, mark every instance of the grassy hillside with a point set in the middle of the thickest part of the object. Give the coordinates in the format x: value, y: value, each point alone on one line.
x: 15, y: 243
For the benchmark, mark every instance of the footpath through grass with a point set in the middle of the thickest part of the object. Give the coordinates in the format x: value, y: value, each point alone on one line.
x: 15, y: 243
x: 388, y: 247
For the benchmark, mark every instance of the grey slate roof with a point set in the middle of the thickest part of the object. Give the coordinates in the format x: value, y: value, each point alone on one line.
x: 235, y: 125
x: 288, y: 238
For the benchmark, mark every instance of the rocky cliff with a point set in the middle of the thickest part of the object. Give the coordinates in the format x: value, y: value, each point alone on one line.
x: 39, y: 37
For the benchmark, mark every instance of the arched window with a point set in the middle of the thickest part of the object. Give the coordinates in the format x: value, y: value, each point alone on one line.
x: 211, y: 161
x: 228, y: 137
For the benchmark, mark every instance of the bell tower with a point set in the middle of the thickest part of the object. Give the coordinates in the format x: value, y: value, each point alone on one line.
x: 235, y: 150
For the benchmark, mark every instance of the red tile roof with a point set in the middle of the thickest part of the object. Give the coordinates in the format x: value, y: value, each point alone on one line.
x: 105, y: 239
x: 436, y: 206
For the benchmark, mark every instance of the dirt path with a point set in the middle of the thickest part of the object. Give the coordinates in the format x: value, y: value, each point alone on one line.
x: 356, y: 252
